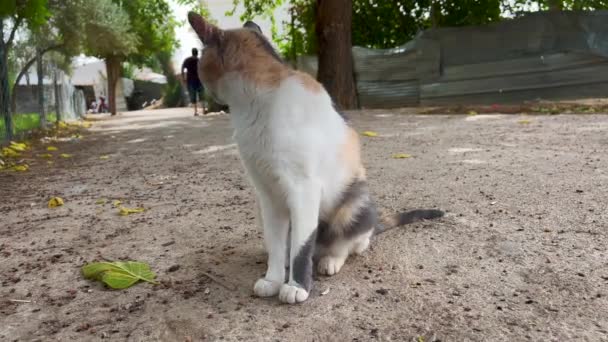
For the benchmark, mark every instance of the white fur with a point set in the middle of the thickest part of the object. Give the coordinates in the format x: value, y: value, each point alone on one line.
x: 289, y: 140
x: 334, y: 257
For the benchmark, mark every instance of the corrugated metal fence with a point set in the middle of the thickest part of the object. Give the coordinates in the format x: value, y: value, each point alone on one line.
x: 548, y: 55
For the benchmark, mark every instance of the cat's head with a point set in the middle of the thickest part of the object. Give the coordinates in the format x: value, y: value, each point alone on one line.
x: 237, y: 63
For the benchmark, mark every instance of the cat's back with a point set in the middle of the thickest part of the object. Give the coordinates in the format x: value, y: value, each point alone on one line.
x: 300, y: 97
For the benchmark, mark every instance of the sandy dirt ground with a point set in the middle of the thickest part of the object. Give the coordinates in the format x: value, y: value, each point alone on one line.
x: 521, y: 254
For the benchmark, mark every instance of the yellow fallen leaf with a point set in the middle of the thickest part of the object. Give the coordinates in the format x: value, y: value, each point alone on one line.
x: 65, y: 155
x: 370, y: 134
x: 104, y: 157
x: 45, y: 155
x: 62, y: 124
x: 86, y: 124
x: 472, y: 112
x: 10, y: 153
x: 128, y: 211
x: 50, y: 162
x: 51, y: 148
x: 116, y: 203
x: 402, y: 156
x: 55, y: 202
x: 101, y: 201
x: 21, y: 168
x: 524, y: 122
x: 18, y: 146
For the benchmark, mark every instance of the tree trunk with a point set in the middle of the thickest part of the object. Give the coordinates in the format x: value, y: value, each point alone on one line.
x: 113, y: 73
x: 57, y: 91
x: 555, y: 5
x: 4, y: 89
x: 333, y: 30
x: 435, y: 13
x: 40, y: 74
x: 23, y: 73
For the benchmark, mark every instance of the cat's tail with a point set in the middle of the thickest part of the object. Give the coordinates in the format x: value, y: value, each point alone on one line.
x: 400, y: 219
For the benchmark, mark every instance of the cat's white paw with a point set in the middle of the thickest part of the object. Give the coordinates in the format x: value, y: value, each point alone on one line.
x: 292, y: 294
x: 266, y: 288
x: 361, y: 246
x: 329, y: 265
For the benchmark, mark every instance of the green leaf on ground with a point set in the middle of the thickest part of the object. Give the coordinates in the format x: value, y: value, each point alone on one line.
x: 119, y: 274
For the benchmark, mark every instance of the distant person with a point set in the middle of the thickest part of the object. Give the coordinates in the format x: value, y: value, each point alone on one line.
x: 195, y: 87
x: 103, y: 108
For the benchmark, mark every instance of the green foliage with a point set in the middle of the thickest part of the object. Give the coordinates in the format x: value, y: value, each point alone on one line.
x: 127, y: 70
x: 109, y: 33
x: 520, y: 7
x: 33, y: 12
x: 153, y: 25
x: 259, y: 8
x: 172, y: 96
x: 467, y: 12
x: 23, y: 123
x: 119, y: 274
x: 300, y: 35
x: 201, y: 7
x: 386, y: 24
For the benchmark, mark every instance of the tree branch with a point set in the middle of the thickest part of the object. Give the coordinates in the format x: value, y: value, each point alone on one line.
x: 25, y: 68
x: 17, y: 22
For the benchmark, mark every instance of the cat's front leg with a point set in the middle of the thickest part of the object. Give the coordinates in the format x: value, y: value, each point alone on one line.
x: 275, y: 218
x: 303, y: 202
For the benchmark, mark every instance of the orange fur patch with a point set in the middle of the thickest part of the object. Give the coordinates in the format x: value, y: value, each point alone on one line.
x: 242, y: 52
x: 308, y: 82
x: 389, y: 220
x: 345, y: 214
x: 350, y: 153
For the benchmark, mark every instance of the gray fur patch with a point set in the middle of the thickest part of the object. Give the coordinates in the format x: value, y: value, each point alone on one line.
x: 302, y: 264
x: 410, y: 217
x: 267, y: 46
x: 363, y: 221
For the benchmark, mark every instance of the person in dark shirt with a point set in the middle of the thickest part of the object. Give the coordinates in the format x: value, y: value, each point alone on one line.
x: 195, y: 87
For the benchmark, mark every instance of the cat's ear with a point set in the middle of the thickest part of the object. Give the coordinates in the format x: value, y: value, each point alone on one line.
x: 250, y: 24
x: 207, y: 32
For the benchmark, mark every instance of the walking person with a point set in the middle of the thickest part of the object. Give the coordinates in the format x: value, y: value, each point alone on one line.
x: 195, y: 87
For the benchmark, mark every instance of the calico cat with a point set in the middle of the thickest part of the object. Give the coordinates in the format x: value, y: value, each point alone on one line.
x: 300, y: 155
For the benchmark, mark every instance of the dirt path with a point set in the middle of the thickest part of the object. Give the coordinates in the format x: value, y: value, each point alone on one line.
x: 522, y: 254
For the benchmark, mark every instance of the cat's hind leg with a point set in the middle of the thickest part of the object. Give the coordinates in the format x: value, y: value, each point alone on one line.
x: 348, y: 230
x: 332, y: 258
